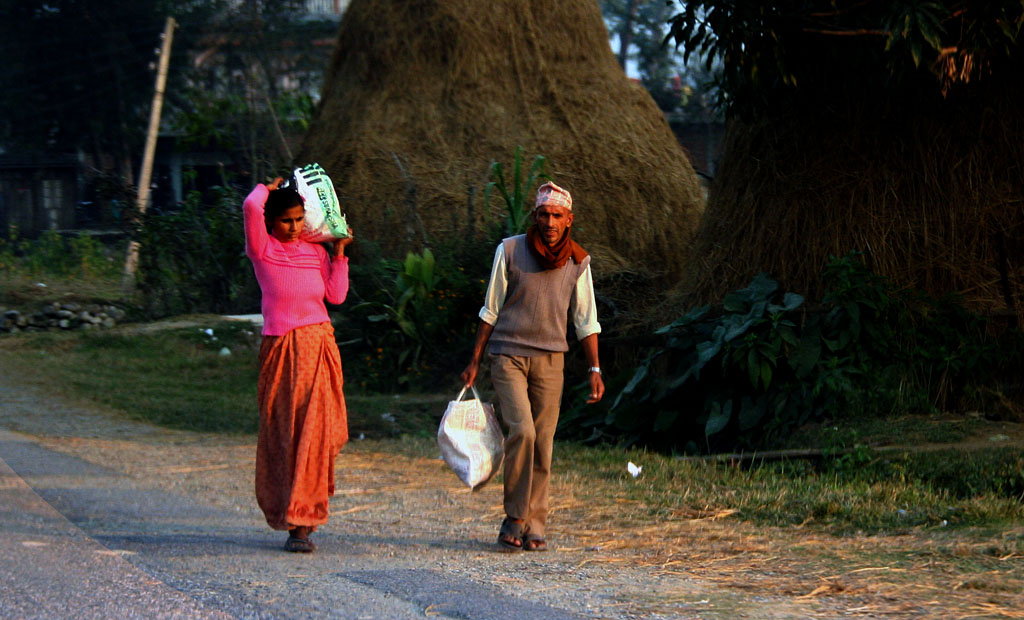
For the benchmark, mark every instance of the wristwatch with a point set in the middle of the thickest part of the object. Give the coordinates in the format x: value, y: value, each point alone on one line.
x: 596, y: 369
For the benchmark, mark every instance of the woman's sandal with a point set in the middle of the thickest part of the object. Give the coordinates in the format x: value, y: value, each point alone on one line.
x: 298, y: 541
x: 299, y: 545
x: 533, y: 542
x: 510, y: 536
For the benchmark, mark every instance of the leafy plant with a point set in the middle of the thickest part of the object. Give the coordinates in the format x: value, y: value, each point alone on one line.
x: 192, y: 259
x: 764, y: 363
x: 413, y: 285
x: 8, y: 258
x: 516, y: 198
x: 90, y: 257
x: 737, y: 371
x: 416, y: 325
x: 403, y: 327
x: 53, y: 255
x: 767, y: 48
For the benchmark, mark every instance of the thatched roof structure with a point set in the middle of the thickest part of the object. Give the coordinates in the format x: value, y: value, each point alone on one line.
x: 422, y: 95
x: 932, y: 194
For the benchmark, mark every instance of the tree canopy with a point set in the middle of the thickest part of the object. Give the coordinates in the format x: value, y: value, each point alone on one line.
x: 768, y: 48
x: 681, y: 88
x: 889, y: 128
x: 79, y: 74
x: 256, y: 73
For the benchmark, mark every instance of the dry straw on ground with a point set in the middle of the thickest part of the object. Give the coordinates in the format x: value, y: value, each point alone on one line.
x: 935, y: 200
x: 670, y: 561
x: 421, y: 96
x: 655, y: 559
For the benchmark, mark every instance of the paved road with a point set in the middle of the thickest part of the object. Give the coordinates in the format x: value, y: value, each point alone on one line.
x: 82, y: 541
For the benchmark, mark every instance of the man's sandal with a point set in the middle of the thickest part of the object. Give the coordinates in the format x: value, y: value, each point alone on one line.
x: 532, y: 542
x: 510, y: 536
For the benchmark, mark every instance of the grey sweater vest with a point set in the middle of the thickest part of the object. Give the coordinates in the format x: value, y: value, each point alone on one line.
x: 534, y: 317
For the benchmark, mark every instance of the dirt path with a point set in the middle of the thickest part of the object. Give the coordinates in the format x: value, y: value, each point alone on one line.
x: 408, y: 512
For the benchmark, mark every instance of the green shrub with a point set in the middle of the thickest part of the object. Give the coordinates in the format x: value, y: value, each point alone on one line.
x: 764, y: 364
x: 8, y: 257
x: 192, y: 259
x: 57, y: 255
x: 403, y: 318
x: 91, y: 258
x: 414, y: 327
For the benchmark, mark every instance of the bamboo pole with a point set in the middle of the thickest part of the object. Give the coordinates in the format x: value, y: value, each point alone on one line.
x: 145, y: 174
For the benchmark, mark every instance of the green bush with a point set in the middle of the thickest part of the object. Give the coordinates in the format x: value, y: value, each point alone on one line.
x: 403, y: 319
x: 764, y: 364
x: 57, y: 255
x: 192, y: 259
x: 415, y: 326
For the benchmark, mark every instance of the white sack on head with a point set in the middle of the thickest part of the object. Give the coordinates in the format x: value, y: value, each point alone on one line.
x: 323, y: 219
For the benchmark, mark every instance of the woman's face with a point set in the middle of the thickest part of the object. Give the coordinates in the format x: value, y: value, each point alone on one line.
x: 288, y: 225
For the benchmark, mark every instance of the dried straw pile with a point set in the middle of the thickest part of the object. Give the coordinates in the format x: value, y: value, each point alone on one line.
x: 935, y: 198
x: 421, y: 96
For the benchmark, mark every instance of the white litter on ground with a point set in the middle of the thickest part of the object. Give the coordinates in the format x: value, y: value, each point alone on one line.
x: 633, y: 469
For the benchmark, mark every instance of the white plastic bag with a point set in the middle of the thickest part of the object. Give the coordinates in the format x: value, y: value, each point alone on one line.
x: 471, y: 440
x: 323, y: 219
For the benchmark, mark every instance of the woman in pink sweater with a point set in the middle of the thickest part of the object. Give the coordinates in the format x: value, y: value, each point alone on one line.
x: 303, y: 421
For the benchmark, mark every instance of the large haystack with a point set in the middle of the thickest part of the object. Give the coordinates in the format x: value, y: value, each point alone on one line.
x: 933, y: 196
x: 421, y: 96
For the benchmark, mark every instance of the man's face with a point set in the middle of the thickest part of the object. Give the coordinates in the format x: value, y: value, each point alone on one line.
x: 552, y: 222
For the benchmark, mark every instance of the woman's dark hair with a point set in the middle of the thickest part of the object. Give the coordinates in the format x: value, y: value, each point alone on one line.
x: 279, y: 201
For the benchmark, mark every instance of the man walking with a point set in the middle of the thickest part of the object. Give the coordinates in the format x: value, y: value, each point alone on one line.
x: 537, y: 281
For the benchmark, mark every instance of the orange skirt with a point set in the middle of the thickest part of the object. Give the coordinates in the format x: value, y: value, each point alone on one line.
x: 303, y: 425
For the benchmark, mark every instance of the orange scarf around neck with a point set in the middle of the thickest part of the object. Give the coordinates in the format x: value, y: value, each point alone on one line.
x: 553, y: 257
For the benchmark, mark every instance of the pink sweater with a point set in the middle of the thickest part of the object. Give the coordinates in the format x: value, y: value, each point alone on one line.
x: 294, y: 277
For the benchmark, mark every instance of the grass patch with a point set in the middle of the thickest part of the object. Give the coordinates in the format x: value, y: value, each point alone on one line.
x: 916, y: 491
x: 178, y: 378
x: 28, y: 291
x: 875, y: 431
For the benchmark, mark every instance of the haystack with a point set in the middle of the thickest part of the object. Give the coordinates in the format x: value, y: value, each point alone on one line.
x: 933, y: 196
x: 422, y: 95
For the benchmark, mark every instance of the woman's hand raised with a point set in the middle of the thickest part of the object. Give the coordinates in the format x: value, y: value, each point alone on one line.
x: 339, y: 244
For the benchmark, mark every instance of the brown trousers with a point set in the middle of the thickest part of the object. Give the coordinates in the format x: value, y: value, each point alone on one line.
x: 529, y: 391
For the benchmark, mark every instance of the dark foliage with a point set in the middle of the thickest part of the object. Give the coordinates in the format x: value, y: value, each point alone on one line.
x: 193, y: 258
x: 848, y: 48
x: 409, y: 325
x: 78, y: 75
x: 765, y: 363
